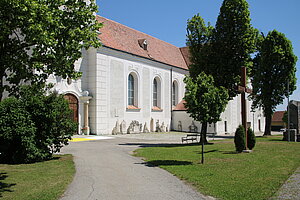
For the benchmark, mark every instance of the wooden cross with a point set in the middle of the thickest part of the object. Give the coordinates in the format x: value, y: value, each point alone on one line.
x: 243, y: 90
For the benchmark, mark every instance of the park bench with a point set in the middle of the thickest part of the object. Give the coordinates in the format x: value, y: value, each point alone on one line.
x: 190, y: 137
x: 194, y: 137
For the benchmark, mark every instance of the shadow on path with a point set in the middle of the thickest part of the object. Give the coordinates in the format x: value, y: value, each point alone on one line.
x: 142, y: 145
x: 222, y: 136
x: 156, y: 163
x: 5, y: 187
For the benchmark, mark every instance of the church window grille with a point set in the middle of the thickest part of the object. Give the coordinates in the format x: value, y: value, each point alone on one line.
x: 130, y: 90
x: 174, y: 93
x: 155, y: 93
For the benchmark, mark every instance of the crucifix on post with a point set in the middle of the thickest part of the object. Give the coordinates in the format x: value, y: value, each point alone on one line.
x: 243, y: 90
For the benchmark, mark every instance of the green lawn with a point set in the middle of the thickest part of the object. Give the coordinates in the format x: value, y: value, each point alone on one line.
x: 228, y: 175
x: 40, y: 181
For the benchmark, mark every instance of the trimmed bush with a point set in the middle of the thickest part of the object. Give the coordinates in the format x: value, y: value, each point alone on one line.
x: 51, y: 115
x: 251, y: 139
x: 17, y: 132
x: 239, y: 139
x: 34, y: 126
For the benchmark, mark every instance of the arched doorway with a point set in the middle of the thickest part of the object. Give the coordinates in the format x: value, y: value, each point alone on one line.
x: 73, y: 104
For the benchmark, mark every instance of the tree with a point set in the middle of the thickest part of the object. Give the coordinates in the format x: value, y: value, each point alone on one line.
x: 43, y: 37
x: 199, y: 38
x: 273, y: 70
x: 204, y: 101
x: 234, y: 39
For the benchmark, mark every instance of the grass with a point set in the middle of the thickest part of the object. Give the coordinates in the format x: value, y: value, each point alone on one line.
x: 38, y: 181
x: 226, y: 174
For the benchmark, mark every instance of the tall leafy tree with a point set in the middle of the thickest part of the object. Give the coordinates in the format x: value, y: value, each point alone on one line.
x: 199, y: 36
x: 234, y: 40
x: 42, y: 37
x: 204, y: 101
x: 274, y: 68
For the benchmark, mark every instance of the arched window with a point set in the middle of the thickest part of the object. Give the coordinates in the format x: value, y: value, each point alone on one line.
x: 174, y: 93
x: 131, y: 90
x: 133, y: 95
x: 155, y: 95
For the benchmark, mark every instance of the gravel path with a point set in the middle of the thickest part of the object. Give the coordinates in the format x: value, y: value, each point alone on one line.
x: 291, y: 189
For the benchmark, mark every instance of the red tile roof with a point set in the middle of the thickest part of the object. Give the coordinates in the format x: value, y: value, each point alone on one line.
x: 277, y: 116
x: 121, y: 37
x: 180, y: 106
x: 186, y: 55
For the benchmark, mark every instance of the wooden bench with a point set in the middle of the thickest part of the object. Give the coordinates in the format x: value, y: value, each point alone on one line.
x: 191, y: 137
x: 194, y: 137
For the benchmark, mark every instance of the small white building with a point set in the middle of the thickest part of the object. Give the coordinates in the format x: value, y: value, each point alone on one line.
x: 134, y: 83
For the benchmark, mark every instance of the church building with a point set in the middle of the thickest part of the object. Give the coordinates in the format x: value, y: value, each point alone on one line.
x: 133, y: 84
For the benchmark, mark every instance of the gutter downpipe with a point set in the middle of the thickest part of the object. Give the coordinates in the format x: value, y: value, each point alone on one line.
x: 171, y: 92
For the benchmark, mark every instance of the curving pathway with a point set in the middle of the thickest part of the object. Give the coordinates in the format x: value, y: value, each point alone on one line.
x: 105, y: 170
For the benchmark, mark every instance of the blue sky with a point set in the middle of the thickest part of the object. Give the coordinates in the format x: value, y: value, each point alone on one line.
x: 166, y: 19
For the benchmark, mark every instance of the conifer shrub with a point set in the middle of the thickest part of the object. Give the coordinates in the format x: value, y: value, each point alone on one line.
x: 251, y: 139
x: 239, y: 139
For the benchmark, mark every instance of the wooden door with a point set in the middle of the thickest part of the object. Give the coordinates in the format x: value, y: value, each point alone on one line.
x: 73, y: 104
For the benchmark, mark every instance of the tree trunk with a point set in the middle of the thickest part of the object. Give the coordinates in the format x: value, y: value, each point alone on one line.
x: 268, y: 123
x: 1, y: 87
x: 203, y: 133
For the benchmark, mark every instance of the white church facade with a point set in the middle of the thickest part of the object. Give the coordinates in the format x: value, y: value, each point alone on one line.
x: 134, y: 83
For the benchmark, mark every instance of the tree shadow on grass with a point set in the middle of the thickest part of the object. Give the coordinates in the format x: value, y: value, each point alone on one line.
x: 229, y: 152
x: 5, y: 187
x: 211, y: 151
x: 156, y: 163
x: 276, y: 140
x: 142, y: 145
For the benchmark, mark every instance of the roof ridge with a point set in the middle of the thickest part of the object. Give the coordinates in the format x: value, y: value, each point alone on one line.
x: 121, y: 37
x: 138, y: 31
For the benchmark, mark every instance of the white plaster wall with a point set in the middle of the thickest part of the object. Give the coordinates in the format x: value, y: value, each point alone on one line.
x: 76, y: 87
x: 99, y: 90
x: 105, y: 75
x: 118, y: 66
x: 232, y: 115
x: 186, y: 121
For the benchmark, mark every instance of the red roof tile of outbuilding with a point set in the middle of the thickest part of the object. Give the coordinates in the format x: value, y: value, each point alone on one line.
x: 277, y: 116
x: 121, y: 37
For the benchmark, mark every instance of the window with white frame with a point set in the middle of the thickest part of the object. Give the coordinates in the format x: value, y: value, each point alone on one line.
x: 132, y: 90
x: 156, y: 93
x: 174, y: 93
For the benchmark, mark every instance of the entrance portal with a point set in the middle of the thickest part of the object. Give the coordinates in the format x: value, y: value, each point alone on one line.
x: 73, y: 104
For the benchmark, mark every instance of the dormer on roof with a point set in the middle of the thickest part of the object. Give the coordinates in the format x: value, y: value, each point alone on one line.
x: 143, y: 44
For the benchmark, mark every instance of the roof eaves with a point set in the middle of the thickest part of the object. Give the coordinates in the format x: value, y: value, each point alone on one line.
x: 152, y: 59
